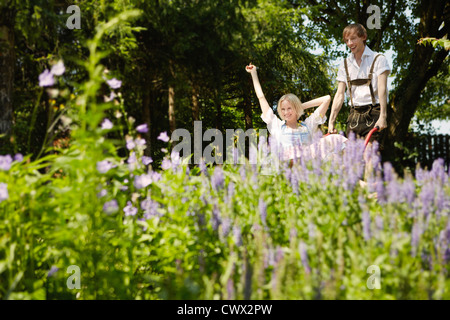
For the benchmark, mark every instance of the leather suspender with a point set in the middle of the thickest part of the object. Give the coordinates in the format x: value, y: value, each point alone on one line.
x: 349, y: 81
x: 370, y: 79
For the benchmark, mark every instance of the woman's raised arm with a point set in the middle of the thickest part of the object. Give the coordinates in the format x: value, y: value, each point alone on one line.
x: 322, y: 102
x: 259, y: 93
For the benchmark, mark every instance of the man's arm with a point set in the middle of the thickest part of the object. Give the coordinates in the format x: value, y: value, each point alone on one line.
x: 382, y: 96
x: 336, y: 107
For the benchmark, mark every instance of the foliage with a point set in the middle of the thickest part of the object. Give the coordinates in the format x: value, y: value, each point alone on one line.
x: 238, y: 231
x: 444, y: 42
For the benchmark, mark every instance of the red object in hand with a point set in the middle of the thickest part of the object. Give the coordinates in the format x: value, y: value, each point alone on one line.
x: 369, y: 135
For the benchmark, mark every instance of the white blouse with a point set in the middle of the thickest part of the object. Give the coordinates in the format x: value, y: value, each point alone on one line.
x: 287, y: 138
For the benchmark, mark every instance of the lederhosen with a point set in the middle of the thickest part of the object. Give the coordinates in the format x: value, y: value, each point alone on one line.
x: 362, y: 119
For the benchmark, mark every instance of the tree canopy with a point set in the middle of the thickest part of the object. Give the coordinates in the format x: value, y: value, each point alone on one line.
x: 182, y: 61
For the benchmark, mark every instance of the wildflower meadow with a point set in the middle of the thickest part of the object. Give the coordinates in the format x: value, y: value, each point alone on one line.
x: 98, y: 219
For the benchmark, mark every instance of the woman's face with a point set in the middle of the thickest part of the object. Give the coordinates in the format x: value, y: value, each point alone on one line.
x: 287, y: 111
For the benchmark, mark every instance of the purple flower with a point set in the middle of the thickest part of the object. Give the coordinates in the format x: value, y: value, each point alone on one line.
x: 130, y: 144
x: 150, y: 208
x: 217, y: 180
x: 114, y: 83
x: 142, y: 128
x: 202, y: 166
x: 140, y: 142
x: 18, y: 157
x: 366, y: 224
x: 142, y: 181
x: 5, y: 162
x: 175, y: 158
x: 380, y: 190
x: 111, y: 207
x: 409, y: 190
x: 3, y: 192
x: 107, y: 124
x: 46, y: 79
x: 394, y: 192
x: 132, y: 158
x: 58, y: 69
x: 263, y: 211
x: 230, y: 289
x: 156, y: 176
x: 311, y: 230
x: 379, y: 223
x: 216, y: 220
x: 52, y: 271
x: 420, y: 175
x: 104, y: 166
x: 304, y: 256
x: 441, y: 200
x: 166, y: 164
x: 427, y: 197
x: 269, y: 258
x: 163, y: 137
x: 294, y: 179
x: 111, y: 97
x: 102, y: 193
x: 230, y: 193
x: 415, y: 237
x: 438, y: 172
x: 226, y: 227
x: 130, y: 210
x: 279, y: 255
x: 237, y: 236
x: 388, y: 171
x: 146, y: 160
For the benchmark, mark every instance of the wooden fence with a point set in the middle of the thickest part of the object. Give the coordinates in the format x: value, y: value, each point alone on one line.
x: 432, y: 147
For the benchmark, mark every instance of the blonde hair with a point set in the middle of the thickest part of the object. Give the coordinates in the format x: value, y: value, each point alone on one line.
x: 358, y: 28
x: 296, y: 103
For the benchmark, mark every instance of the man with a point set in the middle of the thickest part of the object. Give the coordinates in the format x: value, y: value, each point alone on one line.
x: 364, y: 73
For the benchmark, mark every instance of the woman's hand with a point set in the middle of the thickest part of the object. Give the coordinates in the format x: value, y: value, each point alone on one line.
x: 250, y: 68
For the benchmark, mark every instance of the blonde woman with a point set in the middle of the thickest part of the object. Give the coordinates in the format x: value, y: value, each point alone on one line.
x: 290, y: 135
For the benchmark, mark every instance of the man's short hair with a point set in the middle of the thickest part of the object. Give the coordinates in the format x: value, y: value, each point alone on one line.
x: 355, y: 27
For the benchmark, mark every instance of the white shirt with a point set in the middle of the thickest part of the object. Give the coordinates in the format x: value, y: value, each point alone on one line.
x: 288, y: 137
x: 361, y: 94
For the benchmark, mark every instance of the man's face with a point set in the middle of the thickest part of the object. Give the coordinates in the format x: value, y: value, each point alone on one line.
x: 354, y: 42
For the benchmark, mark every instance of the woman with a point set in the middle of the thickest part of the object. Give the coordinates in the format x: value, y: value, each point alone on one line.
x: 293, y: 137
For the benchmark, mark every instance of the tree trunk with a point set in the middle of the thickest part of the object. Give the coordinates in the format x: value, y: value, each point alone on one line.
x: 218, y: 105
x: 424, y: 65
x: 248, y: 111
x: 7, y: 62
x: 172, y: 122
x: 195, y: 105
x: 147, y: 119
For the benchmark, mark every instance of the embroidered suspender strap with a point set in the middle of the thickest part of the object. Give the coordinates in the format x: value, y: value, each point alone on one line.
x: 349, y: 82
x: 370, y: 79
